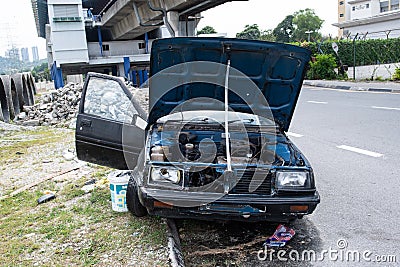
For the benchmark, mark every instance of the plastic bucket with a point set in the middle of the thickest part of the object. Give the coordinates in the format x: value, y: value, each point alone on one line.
x: 118, y: 185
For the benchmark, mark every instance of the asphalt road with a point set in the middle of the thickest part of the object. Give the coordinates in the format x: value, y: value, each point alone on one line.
x: 352, y: 140
x: 360, y: 189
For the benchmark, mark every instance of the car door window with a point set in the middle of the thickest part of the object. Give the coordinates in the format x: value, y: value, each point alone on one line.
x: 106, y: 98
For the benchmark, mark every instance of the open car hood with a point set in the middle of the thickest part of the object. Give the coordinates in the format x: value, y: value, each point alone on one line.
x: 276, y: 71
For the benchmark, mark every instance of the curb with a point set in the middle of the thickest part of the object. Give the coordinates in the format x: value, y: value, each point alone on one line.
x: 351, y: 88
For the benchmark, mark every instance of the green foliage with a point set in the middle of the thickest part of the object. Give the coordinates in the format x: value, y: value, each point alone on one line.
x: 396, y: 74
x: 284, y: 31
x: 41, y: 72
x: 206, y: 30
x: 368, y: 52
x: 322, y: 68
x: 306, y: 21
x: 267, y: 35
x: 251, y: 32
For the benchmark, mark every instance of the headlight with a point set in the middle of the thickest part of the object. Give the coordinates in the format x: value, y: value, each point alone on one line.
x: 291, y: 179
x: 165, y: 175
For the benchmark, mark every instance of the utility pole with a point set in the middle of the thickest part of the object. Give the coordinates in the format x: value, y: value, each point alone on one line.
x: 354, y: 57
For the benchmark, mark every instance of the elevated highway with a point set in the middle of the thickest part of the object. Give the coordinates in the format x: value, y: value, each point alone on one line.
x: 129, y: 19
x: 111, y: 36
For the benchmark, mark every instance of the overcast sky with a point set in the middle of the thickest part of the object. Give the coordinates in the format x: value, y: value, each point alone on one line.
x: 17, y: 24
x: 232, y: 17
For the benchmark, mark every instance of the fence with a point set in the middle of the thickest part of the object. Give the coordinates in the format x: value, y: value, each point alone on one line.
x: 378, y: 57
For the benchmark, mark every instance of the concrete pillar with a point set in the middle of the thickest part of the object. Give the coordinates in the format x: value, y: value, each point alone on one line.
x: 187, y: 28
x: 172, y: 23
x: 121, y: 70
x: 77, y: 78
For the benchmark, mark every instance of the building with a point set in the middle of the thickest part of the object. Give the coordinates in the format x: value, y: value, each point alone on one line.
x: 112, y: 37
x: 25, y: 54
x: 12, y: 53
x: 370, y: 19
x: 35, y: 54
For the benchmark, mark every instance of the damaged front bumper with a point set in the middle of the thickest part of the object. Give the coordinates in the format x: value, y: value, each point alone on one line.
x: 235, y: 207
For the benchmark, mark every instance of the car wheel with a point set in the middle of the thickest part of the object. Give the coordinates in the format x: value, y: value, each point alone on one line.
x: 132, y: 199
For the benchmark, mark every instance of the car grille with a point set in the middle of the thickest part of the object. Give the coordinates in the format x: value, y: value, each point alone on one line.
x: 242, y: 186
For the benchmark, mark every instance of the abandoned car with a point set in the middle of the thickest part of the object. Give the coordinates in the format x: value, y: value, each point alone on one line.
x: 213, y: 145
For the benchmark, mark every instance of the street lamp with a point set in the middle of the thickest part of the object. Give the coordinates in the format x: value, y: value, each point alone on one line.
x: 309, y: 34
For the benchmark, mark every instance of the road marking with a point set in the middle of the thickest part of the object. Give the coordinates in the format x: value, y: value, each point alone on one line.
x: 317, y: 102
x: 294, y: 134
x: 387, y: 108
x: 360, y: 151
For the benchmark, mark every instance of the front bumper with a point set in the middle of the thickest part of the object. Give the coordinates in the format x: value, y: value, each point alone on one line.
x: 231, y: 207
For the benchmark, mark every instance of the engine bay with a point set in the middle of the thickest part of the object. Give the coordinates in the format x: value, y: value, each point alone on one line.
x: 202, y: 149
x: 209, y: 146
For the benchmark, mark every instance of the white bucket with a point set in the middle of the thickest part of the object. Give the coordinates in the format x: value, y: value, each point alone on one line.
x: 118, y: 185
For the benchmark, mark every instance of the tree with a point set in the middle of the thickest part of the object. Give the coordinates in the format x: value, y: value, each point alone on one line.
x: 41, y: 72
x: 251, y: 32
x: 284, y: 31
x: 267, y: 35
x: 206, y: 30
x: 306, y: 24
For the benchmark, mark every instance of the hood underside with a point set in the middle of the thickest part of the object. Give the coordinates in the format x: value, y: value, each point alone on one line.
x: 264, y: 78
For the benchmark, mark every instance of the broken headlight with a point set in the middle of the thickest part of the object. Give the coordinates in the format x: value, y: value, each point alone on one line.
x: 288, y: 179
x: 165, y: 176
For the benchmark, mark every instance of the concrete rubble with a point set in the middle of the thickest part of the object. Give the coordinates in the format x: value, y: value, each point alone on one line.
x: 55, y: 107
x: 60, y: 107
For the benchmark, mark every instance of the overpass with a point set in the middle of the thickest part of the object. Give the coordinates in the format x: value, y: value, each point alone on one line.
x: 128, y: 19
x: 111, y: 36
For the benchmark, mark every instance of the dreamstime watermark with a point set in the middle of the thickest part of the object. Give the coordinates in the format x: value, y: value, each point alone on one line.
x: 340, y: 253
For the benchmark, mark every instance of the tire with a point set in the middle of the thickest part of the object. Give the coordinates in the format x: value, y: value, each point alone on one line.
x: 132, y: 199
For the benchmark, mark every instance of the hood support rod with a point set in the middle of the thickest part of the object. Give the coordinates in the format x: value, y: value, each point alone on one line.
x: 227, y: 137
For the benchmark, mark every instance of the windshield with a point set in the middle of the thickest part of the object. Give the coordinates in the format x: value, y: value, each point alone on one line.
x: 218, y: 117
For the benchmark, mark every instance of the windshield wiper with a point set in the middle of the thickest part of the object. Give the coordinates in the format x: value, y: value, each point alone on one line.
x: 249, y: 120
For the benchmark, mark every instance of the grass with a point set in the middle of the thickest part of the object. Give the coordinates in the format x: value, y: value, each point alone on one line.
x: 89, y: 224
x: 74, y: 229
x: 15, y: 144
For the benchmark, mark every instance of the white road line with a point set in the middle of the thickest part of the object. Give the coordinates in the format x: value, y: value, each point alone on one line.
x: 294, y: 134
x: 387, y: 108
x: 360, y: 151
x: 317, y: 102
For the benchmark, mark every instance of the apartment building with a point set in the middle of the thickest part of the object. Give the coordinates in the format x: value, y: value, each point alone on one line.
x: 370, y: 19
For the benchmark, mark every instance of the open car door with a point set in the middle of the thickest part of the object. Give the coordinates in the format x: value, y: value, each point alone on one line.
x: 110, y: 127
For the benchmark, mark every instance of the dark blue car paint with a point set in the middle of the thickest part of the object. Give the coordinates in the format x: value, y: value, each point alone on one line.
x: 277, y: 70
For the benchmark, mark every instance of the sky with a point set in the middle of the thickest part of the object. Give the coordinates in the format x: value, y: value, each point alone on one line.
x: 17, y: 24
x: 232, y: 17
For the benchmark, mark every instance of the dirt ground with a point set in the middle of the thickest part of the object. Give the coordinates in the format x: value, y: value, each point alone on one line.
x: 76, y: 228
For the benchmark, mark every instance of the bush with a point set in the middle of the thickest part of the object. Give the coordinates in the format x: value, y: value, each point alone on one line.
x: 368, y: 52
x: 322, y: 68
x: 396, y: 74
